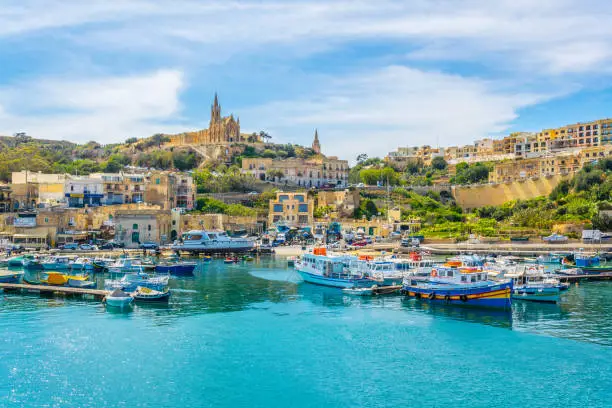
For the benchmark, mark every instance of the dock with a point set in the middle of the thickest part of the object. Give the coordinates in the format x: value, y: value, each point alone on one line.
x: 585, y: 277
x: 96, y: 293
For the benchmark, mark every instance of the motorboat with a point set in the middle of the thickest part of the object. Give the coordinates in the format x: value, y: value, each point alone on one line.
x: 175, y: 267
x: 533, y: 284
x: 102, y: 263
x: 10, y: 276
x: 144, y: 294
x: 550, y: 258
x: 56, y: 263
x: 118, y: 298
x: 210, y: 242
x: 126, y: 265
x: 80, y: 281
x: 15, y: 261
x: 54, y: 279
x: 82, y: 264
x: 460, y: 285
x: 329, y: 270
x: 129, y: 282
x: 555, y: 238
x: 31, y: 262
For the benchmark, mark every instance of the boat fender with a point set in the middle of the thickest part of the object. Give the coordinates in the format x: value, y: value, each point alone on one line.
x: 432, y: 295
x: 434, y: 273
x: 447, y: 298
x: 463, y: 298
x: 417, y: 295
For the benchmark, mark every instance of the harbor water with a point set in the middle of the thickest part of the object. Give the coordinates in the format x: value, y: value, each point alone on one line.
x: 251, y: 335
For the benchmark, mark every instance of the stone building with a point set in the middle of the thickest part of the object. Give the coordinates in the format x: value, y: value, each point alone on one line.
x: 291, y: 209
x: 133, y: 227
x: 343, y: 202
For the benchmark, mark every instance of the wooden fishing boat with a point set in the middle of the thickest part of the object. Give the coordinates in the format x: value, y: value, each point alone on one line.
x: 143, y: 294
x: 118, y: 298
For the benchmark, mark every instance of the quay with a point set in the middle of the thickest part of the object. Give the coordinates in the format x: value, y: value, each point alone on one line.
x: 586, y: 277
x: 96, y: 293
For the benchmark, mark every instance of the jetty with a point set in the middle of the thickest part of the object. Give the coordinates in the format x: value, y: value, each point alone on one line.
x: 20, y: 287
x: 585, y: 277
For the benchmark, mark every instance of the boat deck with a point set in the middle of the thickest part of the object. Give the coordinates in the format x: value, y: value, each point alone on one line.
x: 97, y: 293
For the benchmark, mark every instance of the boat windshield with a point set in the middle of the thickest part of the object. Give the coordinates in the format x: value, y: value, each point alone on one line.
x: 195, y: 237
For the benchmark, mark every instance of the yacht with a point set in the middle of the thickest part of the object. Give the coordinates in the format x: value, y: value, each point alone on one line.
x: 201, y: 241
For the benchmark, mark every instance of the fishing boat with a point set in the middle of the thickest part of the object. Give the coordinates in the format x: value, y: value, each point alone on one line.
x: 329, y: 270
x: 465, y: 286
x: 550, y: 258
x: 56, y: 263
x: 80, y: 281
x: 129, y: 282
x: 596, y: 269
x: 10, y: 276
x: 101, y: 263
x: 54, y: 279
x: 15, y: 261
x: 31, y: 262
x: 118, y: 298
x: 380, y: 271
x: 82, y: 264
x: 175, y: 267
x: 586, y: 260
x: 126, y: 265
x: 210, y: 242
x: 532, y: 284
x: 143, y: 294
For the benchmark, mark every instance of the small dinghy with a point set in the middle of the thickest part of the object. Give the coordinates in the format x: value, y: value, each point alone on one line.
x: 230, y: 260
x: 118, y: 298
x: 143, y: 294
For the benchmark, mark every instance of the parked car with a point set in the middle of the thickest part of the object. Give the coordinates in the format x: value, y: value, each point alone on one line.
x: 73, y: 246
x: 149, y: 245
x: 112, y: 245
x: 88, y: 247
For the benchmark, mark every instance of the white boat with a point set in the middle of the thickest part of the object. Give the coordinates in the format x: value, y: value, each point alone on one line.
x: 131, y: 281
x: 56, y: 263
x: 358, y: 291
x: 380, y: 271
x: 80, y: 281
x: 533, y: 284
x: 118, y: 298
x: 82, y: 264
x: 329, y: 270
x: 202, y: 241
x: 126, y: 265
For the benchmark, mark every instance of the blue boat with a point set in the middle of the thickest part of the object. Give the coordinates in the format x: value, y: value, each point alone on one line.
x: 10, y: 276
x: 586, y: 260
x: 320, y: 269
x: 176, y: 268
x: 534, y: 285
x: 464, y: 286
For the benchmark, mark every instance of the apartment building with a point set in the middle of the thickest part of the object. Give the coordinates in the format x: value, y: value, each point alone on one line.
x: 291, y: 209
x: 315, y: 172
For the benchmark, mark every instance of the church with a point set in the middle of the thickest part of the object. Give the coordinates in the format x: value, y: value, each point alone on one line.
x: 221, y: 130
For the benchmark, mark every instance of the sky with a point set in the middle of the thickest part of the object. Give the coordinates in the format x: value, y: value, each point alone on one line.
x: 369, y: 75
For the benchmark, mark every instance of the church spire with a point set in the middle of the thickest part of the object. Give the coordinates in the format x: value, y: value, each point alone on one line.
x: 215, y: 111
x: 316, y: 146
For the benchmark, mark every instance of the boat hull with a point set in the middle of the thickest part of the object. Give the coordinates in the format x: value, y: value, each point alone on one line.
x: 176, y: 270
x: 55, y: 267
x: 11, y: 278
x: 494, y: 296
x: 334, y: 282
x: 545, y: 295
x: 119, y: 301
x: 158, y: 298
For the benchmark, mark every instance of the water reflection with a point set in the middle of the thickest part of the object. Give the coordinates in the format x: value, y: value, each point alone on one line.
x: 585, y: 312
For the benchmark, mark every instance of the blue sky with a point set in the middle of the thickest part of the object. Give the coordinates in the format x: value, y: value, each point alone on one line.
x: 371, y: 76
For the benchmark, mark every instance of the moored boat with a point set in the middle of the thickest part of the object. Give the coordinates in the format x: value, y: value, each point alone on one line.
x: 15, y: 261
x: 56, y: 263
x: 129, y: 282
x: 460, y: 286
x: 80, y: 281
x: 118, y: 298
x: 533, y: 284
x: 143, y: 294
x: 54, y: 279
x: 82, y: 264
x: 329, y: 270
x: 176, y: 268
x: 10, y: 276
x: 210, y: 242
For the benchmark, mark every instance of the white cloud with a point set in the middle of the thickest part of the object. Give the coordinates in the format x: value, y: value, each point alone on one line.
x: 106, y: 109
x: 377, y: 111
x: 534, y: 36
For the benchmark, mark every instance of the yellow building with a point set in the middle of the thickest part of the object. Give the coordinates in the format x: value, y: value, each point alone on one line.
x: 291, y: 209
x: 343, y: 202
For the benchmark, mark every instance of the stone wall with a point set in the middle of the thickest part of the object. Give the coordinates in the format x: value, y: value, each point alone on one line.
x: 468, y: 197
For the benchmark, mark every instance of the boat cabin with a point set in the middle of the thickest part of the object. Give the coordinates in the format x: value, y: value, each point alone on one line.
x: 458, y: 276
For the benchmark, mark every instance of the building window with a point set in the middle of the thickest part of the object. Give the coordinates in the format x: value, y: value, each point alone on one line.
x: 157, y: 181
x: 46, y: 220
x: 278, y: 208
x: 303, y: 208
x: 149, y: 227
x: 134, y: 226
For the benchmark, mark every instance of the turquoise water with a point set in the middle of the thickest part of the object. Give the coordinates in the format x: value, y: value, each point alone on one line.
x: 248, y: 335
